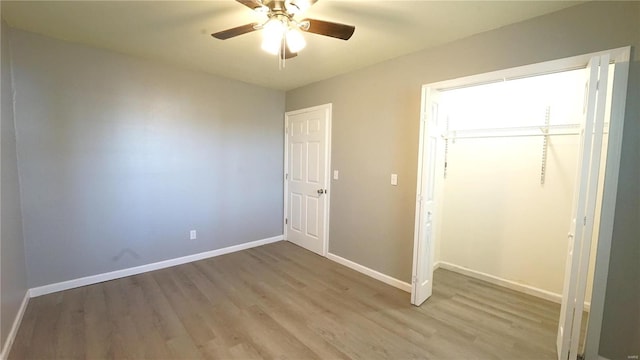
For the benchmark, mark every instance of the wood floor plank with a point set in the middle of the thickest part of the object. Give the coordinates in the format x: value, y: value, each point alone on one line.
x: 97, y: 336
x: 281, y: 301
x: 50, y: 312
x: 71, y: 339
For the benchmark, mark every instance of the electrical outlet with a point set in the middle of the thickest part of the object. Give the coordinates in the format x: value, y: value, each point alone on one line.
x: 193, y: 235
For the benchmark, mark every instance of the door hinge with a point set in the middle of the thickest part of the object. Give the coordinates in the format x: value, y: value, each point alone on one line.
x: 414, y: 279
x: 584, y: 222
x: 286, y: 176
x: 286, y: 221
x: 286, y: 130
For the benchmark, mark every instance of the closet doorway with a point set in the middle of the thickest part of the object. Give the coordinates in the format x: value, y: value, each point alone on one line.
x: 509, y: 163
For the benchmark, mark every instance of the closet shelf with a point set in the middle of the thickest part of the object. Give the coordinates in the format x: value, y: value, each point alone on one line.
x: 520, y: 131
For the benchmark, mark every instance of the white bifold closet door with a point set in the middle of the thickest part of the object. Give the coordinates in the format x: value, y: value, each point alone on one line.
x: 431, y: 163
x: 584, y: 206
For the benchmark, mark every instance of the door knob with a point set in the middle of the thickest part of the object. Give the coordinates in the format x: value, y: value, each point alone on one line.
x: 321, y: 191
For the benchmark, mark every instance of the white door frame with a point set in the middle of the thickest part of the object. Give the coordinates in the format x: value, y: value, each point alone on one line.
x: 621, y: 57
x: 329, y: 108
x: 619, y: 77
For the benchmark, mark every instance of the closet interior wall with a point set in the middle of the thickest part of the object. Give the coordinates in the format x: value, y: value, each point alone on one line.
x: 508, y: 197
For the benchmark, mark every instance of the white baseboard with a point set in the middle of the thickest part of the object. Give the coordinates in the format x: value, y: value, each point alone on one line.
x: 370, y: 272
x: 527, y: 289
x: 14, y: 328
x: 94, y: 279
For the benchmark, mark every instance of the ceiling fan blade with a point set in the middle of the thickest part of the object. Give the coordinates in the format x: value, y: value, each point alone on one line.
x: 251, y: 4
x: 229, y: 33
x: 287, y: 54
x: 327, y: 28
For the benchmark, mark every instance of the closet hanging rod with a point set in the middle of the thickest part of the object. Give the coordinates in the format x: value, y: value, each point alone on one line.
x: 510, y: 136
x: 518, y: 128
x: 513, y: 131
x: 505, y: 135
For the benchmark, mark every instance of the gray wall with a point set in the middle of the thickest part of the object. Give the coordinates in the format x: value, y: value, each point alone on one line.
x: 375, y: 133
x: 621, y: 325
x: 13, y: 271
x: 121, y: 157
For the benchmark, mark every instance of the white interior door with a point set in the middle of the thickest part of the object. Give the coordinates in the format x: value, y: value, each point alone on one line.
x: 429, y: 185
x: 306, y: 182
x: 581, y: 227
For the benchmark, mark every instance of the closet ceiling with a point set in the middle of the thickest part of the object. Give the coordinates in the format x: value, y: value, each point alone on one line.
x: 178, y: 32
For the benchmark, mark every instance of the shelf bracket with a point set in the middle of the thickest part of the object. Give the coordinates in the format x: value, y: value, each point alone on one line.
x: 545, y: 145
x: 446, y: 147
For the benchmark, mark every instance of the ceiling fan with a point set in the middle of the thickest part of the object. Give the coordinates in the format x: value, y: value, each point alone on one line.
x: 282, y: 32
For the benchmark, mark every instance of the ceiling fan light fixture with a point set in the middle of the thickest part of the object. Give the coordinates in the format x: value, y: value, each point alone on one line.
x: 273, y: 32
x: 282, y: 32
x: 271, y: 45
x: 295, y: 40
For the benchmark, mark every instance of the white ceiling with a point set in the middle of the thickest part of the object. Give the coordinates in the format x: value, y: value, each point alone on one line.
x: 178, y: 32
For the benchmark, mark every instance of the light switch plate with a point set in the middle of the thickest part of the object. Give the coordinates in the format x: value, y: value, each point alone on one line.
x: 335, y: 174
x: 394, y: 179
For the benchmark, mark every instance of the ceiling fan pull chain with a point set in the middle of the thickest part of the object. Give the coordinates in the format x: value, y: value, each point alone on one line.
x: 281, y: 55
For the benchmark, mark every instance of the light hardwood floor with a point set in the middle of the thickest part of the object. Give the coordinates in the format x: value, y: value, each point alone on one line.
x: 281, y: 301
